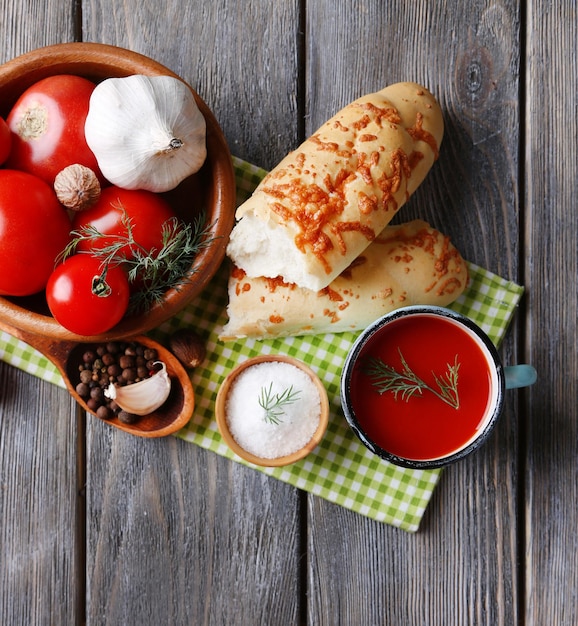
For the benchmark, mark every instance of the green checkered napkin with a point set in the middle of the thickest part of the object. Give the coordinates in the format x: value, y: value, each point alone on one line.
x: 340, y: 469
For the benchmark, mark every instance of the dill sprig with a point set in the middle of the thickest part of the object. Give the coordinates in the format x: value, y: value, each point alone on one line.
x: 273, y: 404
x: 152, y: 271
x: 407, y: 383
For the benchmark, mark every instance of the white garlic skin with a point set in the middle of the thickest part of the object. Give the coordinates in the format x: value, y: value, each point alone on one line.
x: 143, y: 397
x: 131, y: 128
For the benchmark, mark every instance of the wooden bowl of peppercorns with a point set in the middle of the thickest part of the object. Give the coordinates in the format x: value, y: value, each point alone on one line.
x: 208, y: 195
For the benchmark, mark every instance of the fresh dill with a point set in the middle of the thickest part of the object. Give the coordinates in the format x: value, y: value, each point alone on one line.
x: 152, y: 272
x: 272, y: 404
x: 407, y: 383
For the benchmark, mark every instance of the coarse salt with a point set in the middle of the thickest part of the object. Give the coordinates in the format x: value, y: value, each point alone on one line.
x: 246, y: 418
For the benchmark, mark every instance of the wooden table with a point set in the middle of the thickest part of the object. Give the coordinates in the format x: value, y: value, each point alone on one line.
x: 105, y: 528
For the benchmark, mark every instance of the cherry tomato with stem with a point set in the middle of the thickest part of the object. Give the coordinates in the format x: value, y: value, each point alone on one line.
x: 85, y: 296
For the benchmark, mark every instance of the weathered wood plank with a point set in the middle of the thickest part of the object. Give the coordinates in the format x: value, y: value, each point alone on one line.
x: 462, y: 566
x: 40, y: 502
x: 41, y: 567
x: 181, y: 536
x: 242, y: 58
x: 176, y: 534
x: 551, y: 493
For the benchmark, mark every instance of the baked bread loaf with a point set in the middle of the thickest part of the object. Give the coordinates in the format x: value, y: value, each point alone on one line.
x: 322, y: 205
x: 407, y: 264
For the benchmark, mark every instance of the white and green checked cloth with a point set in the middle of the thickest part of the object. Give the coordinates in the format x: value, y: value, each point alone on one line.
x: 340, y: 469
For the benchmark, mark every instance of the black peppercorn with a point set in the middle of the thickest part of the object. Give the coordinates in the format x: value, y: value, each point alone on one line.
x: 127, y: 418
x: 85, y: 376
x: 130, y: 350
x: 108, y: 359
x: 114, y: 370
x: 104, y: 412
x: 92, y: 404
x: 88, y: 356
x: 126, y: 361
x: 97, y: 393
x: 83, y: 390
x: 129, y: 374
x: 150, y: 354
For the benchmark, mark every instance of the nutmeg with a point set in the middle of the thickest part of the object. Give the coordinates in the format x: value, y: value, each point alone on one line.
x: 77, y: 187
x: 188, y: 347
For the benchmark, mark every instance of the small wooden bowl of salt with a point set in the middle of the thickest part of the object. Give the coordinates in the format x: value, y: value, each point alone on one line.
x: 272, y: 410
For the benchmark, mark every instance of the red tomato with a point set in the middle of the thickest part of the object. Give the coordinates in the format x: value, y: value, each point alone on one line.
x: 146, y: 210
x: 5, y: 141
x: 47, y: 124
x: 34, y: 230
x: 84, y: 301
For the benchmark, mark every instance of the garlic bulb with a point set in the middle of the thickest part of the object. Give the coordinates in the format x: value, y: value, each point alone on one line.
x: 143, y: 397
x: 146, y: 132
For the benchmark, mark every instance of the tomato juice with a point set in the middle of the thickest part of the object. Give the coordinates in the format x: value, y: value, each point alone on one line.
x: 416, y: 424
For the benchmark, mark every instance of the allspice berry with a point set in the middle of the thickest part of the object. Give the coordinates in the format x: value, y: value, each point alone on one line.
x: 77, y: 187
x: 188, y: 347
x: 127, y: 418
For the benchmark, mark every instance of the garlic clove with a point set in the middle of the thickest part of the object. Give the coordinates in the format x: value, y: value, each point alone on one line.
x: 143, y: 397
x: 146, y: 132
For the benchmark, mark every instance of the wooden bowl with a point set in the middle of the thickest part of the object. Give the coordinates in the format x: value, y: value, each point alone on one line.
x: 212, y: 189
x: 221, y: 413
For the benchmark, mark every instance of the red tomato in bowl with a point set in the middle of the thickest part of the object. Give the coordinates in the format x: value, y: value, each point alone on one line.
x: 5, y: 141
x: 34, y: 230
x: 147, y: 212
x: 85, y: 301
x: 47, y: 125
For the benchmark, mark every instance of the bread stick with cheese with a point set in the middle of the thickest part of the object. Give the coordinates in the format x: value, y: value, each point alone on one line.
x: 407, y: 264
x: 326, y: 201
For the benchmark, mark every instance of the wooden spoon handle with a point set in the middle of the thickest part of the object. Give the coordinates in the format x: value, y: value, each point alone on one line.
x: 56, y: 351
x: 172, y: 416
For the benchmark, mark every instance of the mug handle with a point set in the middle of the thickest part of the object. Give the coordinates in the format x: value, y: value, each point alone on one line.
x: 519, y: 376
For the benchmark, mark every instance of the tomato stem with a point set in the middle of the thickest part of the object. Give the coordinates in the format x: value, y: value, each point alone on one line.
x: 100, y: 287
